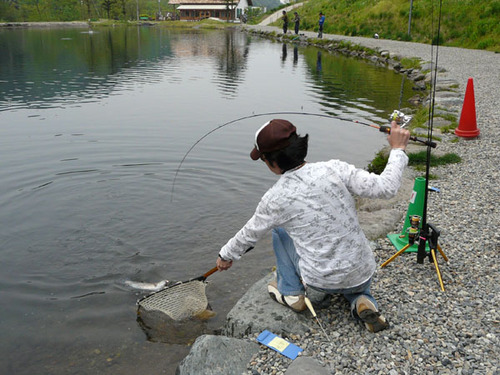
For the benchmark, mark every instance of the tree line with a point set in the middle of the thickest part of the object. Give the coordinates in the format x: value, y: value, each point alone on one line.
x: 75, y: 10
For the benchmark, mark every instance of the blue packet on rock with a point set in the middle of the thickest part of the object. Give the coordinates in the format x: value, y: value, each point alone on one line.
x: 279, y: 344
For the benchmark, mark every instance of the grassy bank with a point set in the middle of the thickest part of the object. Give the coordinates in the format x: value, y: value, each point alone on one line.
x: 464, y: 23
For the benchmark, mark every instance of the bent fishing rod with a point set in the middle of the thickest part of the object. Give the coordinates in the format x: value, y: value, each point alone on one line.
x: 396, y: 115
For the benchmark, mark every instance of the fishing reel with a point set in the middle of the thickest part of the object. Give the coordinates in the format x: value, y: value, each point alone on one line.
x: 403, y: 120
x: 400, y: 118
x: 413, y: 229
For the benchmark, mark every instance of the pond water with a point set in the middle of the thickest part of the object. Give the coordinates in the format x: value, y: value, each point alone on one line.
x: 93, y: 128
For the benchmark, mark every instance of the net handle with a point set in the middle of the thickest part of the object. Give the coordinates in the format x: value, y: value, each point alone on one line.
x: 203, y: 277
x: 213, y: 270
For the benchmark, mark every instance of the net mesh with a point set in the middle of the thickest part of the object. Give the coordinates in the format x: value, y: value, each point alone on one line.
x: 180, y: 301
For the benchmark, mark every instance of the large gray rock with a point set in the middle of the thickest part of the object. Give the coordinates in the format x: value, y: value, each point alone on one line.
x: 218, y: 355
x: 379, y: 217
x: 379, y: 223
x: 256, y: 311
x: 307, y: 365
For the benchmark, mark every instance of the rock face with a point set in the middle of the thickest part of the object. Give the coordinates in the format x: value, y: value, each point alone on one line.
x: 230, y: 353
x: 378, y: 217
x: 306, y: 365
x: 256, y: 311
x: 218, y: 355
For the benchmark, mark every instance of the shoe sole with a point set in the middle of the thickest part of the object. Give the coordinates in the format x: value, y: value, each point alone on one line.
x: 374, y: 322
x: 273, y: 296
x: 274, y: 293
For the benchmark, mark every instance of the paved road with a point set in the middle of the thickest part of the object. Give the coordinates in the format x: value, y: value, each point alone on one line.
x: 277, y: 15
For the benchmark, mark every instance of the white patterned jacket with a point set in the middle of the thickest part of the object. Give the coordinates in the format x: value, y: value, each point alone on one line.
x: 315, y: 205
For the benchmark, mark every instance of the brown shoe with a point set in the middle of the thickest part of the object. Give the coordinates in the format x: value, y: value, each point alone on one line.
x: 296, y: 303
x: 370, y: 316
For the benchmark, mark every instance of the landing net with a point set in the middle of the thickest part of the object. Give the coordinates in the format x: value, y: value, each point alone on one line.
x: 179, y: 301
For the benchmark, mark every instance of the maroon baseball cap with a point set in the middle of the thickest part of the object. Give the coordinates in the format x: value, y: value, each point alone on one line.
x: 272, y: 136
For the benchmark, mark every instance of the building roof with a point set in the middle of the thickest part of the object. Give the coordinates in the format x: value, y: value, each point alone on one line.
x: 202, y: 7
x: 202, y: 2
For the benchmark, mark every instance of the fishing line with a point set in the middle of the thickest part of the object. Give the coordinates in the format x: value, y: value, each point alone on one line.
x: 421, y: 249
x: 382, y: 128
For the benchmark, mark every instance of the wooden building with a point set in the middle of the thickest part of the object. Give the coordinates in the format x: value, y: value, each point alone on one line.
x: 195, y: 10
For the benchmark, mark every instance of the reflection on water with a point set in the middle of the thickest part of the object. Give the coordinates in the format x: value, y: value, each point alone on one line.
x: 68, y: 66
x: 231, y: 63
x: 93, y: 129
x: 284, y: 52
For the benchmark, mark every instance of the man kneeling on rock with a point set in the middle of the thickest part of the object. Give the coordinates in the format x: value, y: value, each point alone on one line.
x: 319, y: 245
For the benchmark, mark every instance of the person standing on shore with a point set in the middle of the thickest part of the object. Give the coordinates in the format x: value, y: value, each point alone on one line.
x: 320, y: 23
x: 319, y: 245
x: 296, y: 20
x: 284, y: 18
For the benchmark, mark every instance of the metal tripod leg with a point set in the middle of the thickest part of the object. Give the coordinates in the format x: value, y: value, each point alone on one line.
x: 395, y: 255
x: 442, y: 253
x: 434, y: 259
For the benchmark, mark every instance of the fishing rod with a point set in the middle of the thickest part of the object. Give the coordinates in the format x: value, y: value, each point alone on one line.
x: 426, y: 227
x: 421, y: 230
x: 396, y: 115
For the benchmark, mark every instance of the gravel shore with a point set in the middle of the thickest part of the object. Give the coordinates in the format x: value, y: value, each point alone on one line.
x: 432, y: 332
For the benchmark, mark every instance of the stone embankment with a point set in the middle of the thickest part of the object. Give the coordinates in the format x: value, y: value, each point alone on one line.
x: 451, y: 332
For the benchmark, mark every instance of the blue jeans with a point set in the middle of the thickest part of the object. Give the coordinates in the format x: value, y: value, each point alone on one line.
x: 288, y: 273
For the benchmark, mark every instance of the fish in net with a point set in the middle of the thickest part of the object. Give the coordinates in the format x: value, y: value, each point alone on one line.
x: 179, y: 301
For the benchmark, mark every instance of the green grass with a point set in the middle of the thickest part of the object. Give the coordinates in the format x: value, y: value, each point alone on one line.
x: 413, y: 63
x: 378, y: 163
x: 464, y: 23
x: 417, y: 160
x: 420, y: 159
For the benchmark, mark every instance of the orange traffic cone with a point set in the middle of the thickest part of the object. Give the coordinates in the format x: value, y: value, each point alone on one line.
x: 467, y: 127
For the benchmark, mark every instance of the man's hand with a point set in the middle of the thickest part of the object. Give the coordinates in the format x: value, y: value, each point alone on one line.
x: 398, y: 137
x: 223, y: 265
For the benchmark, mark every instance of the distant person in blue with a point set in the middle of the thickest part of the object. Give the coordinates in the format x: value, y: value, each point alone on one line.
x: 321, y: 22
x: 284, y: 18
x: 296, y: 20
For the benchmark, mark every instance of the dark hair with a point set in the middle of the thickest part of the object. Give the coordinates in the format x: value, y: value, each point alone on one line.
x: 292, y: 156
